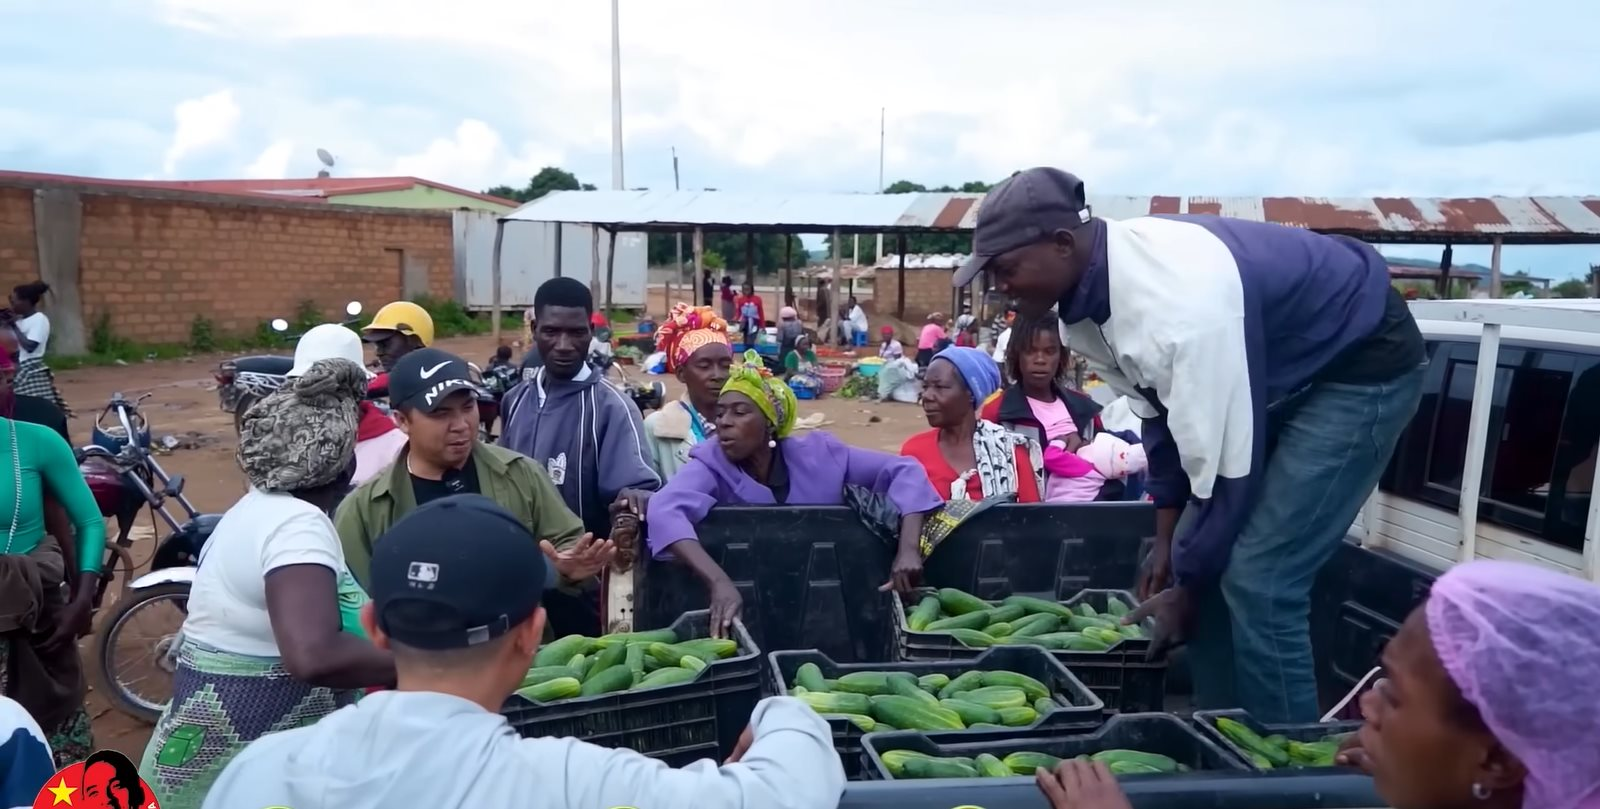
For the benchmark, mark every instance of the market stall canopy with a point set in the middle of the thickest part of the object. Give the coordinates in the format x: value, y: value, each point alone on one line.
x: 1464, y: 220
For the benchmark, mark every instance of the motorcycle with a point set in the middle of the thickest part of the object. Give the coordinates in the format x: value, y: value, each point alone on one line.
x: 125, y: 478
x: 244, y: 380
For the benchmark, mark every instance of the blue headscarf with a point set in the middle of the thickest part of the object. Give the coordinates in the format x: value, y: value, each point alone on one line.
x: 977, y: 370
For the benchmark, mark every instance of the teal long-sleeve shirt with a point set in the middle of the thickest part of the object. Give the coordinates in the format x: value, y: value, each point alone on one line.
x: 47, y: 464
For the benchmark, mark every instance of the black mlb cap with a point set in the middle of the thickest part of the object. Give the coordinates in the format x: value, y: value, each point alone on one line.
x: 424, y: 378
x: 456, y: 572
x: 1023, y: 209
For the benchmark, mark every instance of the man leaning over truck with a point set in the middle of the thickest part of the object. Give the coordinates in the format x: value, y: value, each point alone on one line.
x: 1273, y: 368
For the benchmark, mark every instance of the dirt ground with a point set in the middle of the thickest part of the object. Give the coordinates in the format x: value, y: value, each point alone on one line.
x: 183, y: 403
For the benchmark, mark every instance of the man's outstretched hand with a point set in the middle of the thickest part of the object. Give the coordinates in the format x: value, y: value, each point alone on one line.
x: 1081, y: 785
x: 583, y: 560
x: 1173, y: 609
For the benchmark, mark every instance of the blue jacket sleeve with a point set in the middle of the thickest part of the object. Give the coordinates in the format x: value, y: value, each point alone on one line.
x: 625, y: 459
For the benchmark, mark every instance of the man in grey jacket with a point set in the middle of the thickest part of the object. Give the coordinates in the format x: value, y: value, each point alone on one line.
x: 587, y: 433
x: 451, y: 598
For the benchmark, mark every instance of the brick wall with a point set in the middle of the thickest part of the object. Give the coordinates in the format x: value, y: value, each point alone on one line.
x: 153, y: 260
x: 926, y: 291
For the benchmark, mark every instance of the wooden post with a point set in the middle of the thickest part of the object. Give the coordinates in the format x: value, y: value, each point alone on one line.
x: 900, y: 294
x: 594, y: 262
x: 1494, y: 269
x: 494, y: 310
x: 699, y: 249
x: 788, y: 269
x: 1444, y: 273
x: 838, y: 289
x: 611, y: 269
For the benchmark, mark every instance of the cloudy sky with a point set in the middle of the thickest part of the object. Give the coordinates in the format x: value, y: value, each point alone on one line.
x: 1390, y: 97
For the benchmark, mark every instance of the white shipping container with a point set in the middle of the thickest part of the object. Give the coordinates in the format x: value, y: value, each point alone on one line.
x: 527, y: 258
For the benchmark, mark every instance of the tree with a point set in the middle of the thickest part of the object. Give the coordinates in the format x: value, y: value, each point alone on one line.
x: 731, y: 248
x: 549, y: 178
x: 925, y: 242
x: 1572, y: 288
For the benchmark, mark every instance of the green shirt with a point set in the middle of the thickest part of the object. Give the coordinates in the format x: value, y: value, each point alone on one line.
x: 791, y: 361
x: 513, y: 480
x: 47, y: 464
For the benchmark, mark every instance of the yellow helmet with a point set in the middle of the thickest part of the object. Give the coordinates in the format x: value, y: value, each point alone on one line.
x: 404, y: 317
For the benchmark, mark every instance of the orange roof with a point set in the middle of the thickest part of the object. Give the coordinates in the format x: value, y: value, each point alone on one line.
x: 309, y: 189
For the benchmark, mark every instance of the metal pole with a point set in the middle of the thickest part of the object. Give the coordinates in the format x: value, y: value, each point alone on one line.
x: 594, y: 262
x: 882, y: 113
x: 561, y: 229
x: 499, y: 241
x: 616, y: 101
x: 694, y: 283
x: 1478, y: 438
x: 1494, y: 269
x: 611, y: 272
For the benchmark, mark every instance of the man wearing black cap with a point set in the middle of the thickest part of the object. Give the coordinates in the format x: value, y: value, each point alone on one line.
x: 435, y: 403
x: 455, y: 596
x: 1274, y: 369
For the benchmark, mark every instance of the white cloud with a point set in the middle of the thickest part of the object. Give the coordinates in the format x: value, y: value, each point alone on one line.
x: 201, y: 122
x: 272, y: 163
x: 475, y: 156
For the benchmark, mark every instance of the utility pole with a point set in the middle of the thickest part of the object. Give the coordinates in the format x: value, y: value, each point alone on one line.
x: 694, y: 283
x: 616, y: 100
x: 882, y: 114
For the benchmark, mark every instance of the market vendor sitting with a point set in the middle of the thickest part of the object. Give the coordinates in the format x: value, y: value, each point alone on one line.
x: 757, y: 460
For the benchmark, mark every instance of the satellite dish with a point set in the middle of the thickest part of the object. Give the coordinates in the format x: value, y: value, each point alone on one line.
x: 325, y: 157
x: 280, y: 325
x: 353, y: 308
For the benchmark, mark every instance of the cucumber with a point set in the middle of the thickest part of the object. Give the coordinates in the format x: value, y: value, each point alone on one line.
x: 1156, y: 761
x: 1132, y: 768
x: 863, y: 723
x: 971, y: 638
x: 989, y: 766
x: 909, y: 713
x: 971, y: 620
x: 1117, y: 607
x: 1026, y: 763
x: 1087, y: 610
x: 933, y: 682
x: 1252, y: 742
x: 838, y: 702
x: 669, y: 675
x: 1043, y: 705
x: 809, y: 676
x: 627, y: 638
x: 554, y: 690
x: 1018, y: 717
x: 998, y: 630
x: 939, y: 768
x: 926, y: 612
x: 635, y: 661
x: 965, y: 681
x: 957, y: 602
x: 987, y: 726
x: 1079, y: 623
x: 708, y: 649
x: 692, y: 663
x: 614, y: 655
x: 972, y: 713
x: 864, y: 682
x: 996, y: 697
x: 616, y: 678
x: 1034, y: 606
x: 1005, y: 614
x: 1010, y: 679
x: 579, y: 665
x: 907, y: 687
x: 544, y: 674
x: 895, y: 760
x: 1035, y: 625
x: 1131, y: 631
x: 560, y: 652
x: 1110, y: 637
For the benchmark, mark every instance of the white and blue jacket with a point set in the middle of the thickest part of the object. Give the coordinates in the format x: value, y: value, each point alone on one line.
x: 1205, y: 323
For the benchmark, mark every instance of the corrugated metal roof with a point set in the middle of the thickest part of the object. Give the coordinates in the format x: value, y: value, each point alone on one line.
x: 1396, y: 219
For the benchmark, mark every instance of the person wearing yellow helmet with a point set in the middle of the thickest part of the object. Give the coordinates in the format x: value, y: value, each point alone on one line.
x: 398, y: 329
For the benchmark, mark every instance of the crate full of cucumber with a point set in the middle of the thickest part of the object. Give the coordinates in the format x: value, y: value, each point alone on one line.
x: 1277, y: 752
x: 577, y: 666
x: 898, y: 700
x: 1022, y: 621
x: 910, y: 764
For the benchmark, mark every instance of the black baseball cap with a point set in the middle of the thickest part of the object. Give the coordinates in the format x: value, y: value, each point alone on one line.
x: 424, y: 378
x: 1023, y: 209
x: 466, y: 569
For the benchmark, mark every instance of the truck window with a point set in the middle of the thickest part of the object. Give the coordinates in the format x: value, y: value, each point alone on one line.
x: 1543, y: 431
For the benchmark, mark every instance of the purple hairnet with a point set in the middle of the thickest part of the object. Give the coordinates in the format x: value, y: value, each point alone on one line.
x: 1523, y: 645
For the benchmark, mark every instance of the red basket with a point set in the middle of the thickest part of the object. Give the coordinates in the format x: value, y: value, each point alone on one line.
x: 832, y: 377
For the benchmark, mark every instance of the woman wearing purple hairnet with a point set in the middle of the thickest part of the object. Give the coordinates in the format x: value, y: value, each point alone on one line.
x: 1488, y: 701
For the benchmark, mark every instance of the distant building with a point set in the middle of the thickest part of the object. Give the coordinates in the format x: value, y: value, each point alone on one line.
x: 378, y: 192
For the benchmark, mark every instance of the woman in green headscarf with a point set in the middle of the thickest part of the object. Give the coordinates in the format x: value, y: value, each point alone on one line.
x: 757, y: 459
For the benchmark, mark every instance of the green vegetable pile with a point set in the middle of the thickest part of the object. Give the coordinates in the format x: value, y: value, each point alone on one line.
x: 579, y: 666
x: 1276, y: 752
x: 1021, y: 621
x: 857, y: 386
x: 898, y: 700
x: 911, y: 764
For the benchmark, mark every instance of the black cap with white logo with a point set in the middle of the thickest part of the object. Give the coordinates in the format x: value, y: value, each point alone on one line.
x: 424, y: 378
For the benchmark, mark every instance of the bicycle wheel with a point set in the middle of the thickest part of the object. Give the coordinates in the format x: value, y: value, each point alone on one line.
x: 135, y: 670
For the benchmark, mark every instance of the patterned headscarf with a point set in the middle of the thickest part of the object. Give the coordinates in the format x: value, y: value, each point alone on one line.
x: 772, y: 395
x: 303, y: 435
x: 689, y: 329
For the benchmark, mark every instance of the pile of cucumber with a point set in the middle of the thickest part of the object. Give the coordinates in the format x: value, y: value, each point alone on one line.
x: 1021, y: 621
x: 911, y: 764
x: 580, y: 666
x: 898, y: 700
x: 1277, y: 752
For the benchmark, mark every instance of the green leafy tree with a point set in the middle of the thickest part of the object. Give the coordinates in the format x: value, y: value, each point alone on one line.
x: 549, y: 178
x: 1573, y: 288
x: 730, y: 247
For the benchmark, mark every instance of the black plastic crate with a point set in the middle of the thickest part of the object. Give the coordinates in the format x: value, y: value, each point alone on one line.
x: 1077, y: 706
x: 1160, y: 733
x: 1295, y: 732
x: 1121, y: 676
x: 678, y: 724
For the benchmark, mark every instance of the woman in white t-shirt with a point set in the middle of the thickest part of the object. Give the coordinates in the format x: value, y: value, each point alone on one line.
x: 271, y: 640
x: 32, y: 328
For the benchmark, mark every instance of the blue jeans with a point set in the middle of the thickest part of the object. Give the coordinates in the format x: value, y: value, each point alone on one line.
x: 1251, y: 644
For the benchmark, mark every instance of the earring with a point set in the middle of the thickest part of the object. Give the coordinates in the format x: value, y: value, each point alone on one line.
x: 1481, y: 792
x: 772, y: 443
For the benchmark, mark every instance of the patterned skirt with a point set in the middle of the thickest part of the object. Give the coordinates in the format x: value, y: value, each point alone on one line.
x: 220, y: 703
x: 35, y: 379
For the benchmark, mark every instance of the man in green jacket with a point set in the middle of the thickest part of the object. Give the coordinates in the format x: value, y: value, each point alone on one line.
x: 435, y: 403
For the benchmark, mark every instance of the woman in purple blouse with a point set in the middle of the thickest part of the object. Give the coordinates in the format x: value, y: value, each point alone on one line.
x: 757, y: 461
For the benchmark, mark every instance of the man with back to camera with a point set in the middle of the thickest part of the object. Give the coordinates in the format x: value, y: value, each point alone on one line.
x: 1274, y: 369
x: 588, y: 434
x: 450, y: 598
x: 435, y: 403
